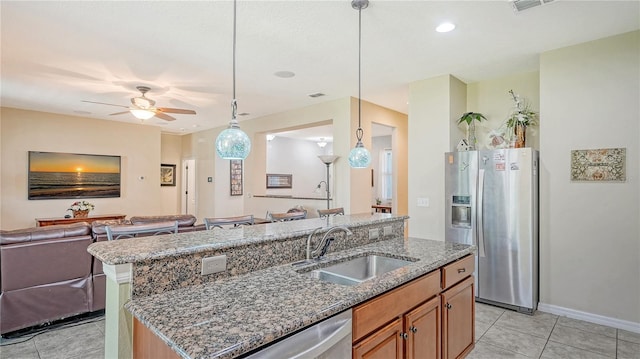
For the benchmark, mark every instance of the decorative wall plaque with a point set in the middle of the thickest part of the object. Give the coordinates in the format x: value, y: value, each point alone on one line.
x: 608, y: 164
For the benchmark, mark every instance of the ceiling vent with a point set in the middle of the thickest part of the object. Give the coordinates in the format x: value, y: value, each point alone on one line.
x: 317, y: 94
x: 521, y: 5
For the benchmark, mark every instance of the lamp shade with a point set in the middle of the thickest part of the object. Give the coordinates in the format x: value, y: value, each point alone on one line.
x: 359, y: 157
x: 142, y: 114
x: 233, y: 144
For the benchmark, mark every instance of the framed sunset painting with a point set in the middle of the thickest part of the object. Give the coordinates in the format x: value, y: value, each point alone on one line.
x: 54, y: 175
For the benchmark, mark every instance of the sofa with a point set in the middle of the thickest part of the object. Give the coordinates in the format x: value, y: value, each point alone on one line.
x: 45, y: 275
x: 186, y: 222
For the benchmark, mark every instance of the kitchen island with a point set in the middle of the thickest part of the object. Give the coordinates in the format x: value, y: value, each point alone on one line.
x: 260, y: 297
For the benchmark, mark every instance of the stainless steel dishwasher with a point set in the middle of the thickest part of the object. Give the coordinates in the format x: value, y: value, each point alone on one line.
x: 329, y: 339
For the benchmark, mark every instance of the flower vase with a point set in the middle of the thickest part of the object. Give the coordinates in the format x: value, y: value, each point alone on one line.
x: 81, y: 214
x: 520, y: 134
x: 471, y: 135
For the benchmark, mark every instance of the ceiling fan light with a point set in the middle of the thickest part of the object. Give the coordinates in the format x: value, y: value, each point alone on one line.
x: 233, y: 144
x: 142, y: 114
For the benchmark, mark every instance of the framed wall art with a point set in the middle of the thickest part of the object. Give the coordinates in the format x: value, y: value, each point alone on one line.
x: 279, y: 180
x: 236, y: 177
x: 54, y: 175
x: 601, y: 165
x: 167, y: 175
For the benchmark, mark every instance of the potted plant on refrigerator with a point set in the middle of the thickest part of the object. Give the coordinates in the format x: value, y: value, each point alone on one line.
x: 521, y: 118
x: 470, y: 118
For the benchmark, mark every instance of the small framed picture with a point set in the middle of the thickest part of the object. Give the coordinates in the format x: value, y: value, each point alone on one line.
x: 279, y: 180
x: 167, y: 175
x: 236, y: 177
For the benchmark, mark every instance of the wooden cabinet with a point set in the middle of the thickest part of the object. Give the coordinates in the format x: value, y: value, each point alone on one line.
x: 419, y: 320
x: 42, y: 222
x: 403, y: 321
x: 458, y: 312
x: 386, y: 343
x: 423, y: 328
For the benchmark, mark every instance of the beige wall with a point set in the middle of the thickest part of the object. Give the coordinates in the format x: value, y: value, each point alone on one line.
x: 434, y: 106
x: 491, y: 98
x: 590, y: 237
x: 352, y: 189
x: 171, y: 153
x: 23, y: 131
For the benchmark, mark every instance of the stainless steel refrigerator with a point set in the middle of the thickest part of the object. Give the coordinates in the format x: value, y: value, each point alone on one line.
x: 492, y: 202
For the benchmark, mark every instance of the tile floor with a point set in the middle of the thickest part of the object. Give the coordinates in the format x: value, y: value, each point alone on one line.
x: 499, y: 334
x: 503, y: 333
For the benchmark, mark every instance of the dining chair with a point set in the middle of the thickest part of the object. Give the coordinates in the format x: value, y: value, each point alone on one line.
x: 140, y: 230
x: 330, y: 212
x: 238, y: 221
x: 285, y: 217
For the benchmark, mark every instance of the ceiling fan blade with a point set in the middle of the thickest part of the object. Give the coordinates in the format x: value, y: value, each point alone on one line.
x: 164, y: 116
x: 102, y: 103
x: 176, y: 110
x: 118, y: 113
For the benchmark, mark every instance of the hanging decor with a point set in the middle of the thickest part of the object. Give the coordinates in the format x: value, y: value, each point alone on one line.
x: 359, y: 157
x: 233, y: 143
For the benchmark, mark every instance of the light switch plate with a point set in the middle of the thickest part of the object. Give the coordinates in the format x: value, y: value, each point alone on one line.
x: 423, y: 202
x: 215, y: 264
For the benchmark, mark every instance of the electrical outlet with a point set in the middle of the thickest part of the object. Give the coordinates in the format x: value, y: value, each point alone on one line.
x: 215, y: 264
x: 388, y: 231
x: 373, y: 233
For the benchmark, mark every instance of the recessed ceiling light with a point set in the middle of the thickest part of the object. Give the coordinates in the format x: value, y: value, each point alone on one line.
x: 284, y: 74
x: 445, y: 27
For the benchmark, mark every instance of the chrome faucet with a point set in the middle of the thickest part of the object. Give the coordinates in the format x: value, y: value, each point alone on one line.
x: 323, y: 246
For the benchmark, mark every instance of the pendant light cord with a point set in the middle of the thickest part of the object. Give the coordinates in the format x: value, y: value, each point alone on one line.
x: 359, y: 131
x: 234, y: 105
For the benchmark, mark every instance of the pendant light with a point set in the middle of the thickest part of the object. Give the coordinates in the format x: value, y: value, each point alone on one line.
x: 233, y: 143
x: 359, y: 157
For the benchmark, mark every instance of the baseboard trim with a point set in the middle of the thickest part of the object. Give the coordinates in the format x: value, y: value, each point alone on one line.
x: 589, y: 317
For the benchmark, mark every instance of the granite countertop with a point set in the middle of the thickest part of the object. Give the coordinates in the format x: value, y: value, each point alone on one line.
x: 232, y: 316
x: 172, y: 245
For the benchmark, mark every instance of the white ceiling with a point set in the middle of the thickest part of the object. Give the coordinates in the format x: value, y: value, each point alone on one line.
x: 57, y: 53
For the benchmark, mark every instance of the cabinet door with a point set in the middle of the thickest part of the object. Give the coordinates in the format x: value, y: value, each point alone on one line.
x: 385, y: 343
x: 423, y: 328
x: 458, y: 319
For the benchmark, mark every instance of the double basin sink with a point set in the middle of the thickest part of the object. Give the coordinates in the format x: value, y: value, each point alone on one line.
x: 358, y: 269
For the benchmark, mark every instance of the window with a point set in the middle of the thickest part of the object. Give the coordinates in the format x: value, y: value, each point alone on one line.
x: 386, y: 175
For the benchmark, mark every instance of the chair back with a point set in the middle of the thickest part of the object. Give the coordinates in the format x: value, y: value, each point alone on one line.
x: 284, y: 217
x: 211, y: 223
x: 139, y: 230
x: 330, y: 212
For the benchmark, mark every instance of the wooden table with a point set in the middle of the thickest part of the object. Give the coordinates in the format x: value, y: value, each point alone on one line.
x: 381, y: 208
x: 42, y: 222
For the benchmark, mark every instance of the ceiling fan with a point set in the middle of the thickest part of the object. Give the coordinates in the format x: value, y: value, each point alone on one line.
x: 144, y: 108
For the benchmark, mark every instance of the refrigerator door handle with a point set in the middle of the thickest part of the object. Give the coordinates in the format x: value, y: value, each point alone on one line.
x: 479, y: 206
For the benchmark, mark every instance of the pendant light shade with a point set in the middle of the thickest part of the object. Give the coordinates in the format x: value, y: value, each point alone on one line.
x: 233, y: 143
x: 359, y: 157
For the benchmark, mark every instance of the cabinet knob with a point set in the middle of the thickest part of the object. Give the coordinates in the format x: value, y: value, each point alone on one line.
x: 404, y: 336
x: 448, y: 306
x: 413, y: 329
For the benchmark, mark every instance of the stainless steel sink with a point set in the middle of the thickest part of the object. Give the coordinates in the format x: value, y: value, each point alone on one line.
x: 358, y: 270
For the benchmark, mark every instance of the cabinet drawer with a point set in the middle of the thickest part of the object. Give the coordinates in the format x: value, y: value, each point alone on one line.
x: 454, y: 272
x: 376, y: 312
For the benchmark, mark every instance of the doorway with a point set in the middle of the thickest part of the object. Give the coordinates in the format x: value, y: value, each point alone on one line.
x: 383, y: 169
x: 189, y: 195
